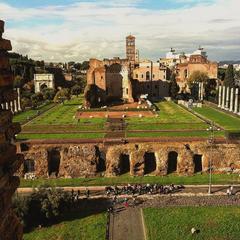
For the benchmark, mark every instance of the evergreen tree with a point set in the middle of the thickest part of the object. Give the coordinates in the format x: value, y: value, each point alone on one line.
x: 229, y: 77
x: 173, y: 86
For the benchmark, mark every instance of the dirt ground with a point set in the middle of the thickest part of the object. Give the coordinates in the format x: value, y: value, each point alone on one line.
x: 117, y: 111
x: 113, y: 114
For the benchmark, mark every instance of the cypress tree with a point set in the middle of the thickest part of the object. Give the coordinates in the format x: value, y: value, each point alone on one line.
x: 229, y: 77
x: 173, y: 87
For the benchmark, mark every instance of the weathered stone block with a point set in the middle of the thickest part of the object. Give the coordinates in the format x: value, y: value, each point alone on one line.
x: 1, y: 26
x: 5, y: 45
x: 5, y: 117
x: 6, y: 79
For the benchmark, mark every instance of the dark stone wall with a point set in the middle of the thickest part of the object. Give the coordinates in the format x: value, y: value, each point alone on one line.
x: 10, y: 161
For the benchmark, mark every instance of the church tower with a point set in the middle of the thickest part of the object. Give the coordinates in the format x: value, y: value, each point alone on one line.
x: 131, y: 51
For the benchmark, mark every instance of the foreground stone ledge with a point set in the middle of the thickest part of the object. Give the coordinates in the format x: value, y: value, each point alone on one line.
x: 10, y: 227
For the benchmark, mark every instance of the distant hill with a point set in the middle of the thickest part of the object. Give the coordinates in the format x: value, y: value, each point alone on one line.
x: 229, y: 62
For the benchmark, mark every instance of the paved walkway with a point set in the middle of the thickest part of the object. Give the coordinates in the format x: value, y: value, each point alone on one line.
x: 126, y: 224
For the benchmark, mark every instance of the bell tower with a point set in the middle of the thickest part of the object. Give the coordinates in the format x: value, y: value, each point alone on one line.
x: 131, y: 50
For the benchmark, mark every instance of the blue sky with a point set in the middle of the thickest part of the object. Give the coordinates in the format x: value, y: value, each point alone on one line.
x: 63, y: 30
x: 148, y: 4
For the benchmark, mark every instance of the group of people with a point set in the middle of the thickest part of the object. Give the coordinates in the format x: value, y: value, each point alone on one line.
x: 230, y: 191
x: 140, y: 189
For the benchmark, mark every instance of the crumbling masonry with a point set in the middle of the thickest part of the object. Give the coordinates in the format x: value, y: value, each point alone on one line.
x: 10, y: 161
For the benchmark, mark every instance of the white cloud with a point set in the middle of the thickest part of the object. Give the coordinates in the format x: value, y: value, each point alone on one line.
x: 98, y: 29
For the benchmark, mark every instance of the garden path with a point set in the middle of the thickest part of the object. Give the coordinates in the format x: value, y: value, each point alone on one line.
x: 126, y: 224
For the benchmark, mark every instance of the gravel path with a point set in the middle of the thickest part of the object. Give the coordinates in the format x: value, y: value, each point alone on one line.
x: 126, y: 224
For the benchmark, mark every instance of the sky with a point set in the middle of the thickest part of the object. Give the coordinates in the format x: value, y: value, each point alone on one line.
x: 76, y: 30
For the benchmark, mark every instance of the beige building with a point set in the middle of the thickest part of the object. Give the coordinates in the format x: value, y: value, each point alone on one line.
x: 151, y: 78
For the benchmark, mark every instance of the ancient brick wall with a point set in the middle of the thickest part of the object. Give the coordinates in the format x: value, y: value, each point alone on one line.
x: 10, y: 161
x: 82, y: 160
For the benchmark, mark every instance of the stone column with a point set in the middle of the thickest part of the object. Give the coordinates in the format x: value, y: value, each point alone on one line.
x: 19, y: 100
x: 227, y: 99
x: 231, y: 100
x: 6, y: 105
x: 15, y: 106
x: 202, y: 91
x: 223, y: 97
x: 199, y: 91
x: 219, y: 96
x: 236, y: 100
x: 11, y: 107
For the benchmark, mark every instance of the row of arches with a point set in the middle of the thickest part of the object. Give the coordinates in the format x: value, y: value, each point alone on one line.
x: 150, y: 163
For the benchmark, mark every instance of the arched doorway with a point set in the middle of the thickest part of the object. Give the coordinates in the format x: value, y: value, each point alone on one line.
x: 149, y: 162
x: 29, y: 166
x: 54, y: 158
x: 43, y: 86
x: 172, y: 162
x: 101, y: 165
x: 197, y: 160
x: 147, y: 75
x: 124, y: 163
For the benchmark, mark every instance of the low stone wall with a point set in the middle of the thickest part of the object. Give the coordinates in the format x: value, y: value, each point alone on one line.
x: 88, y: 160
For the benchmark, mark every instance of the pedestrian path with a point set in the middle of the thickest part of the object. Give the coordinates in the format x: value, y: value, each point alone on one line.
x: 126, y: 224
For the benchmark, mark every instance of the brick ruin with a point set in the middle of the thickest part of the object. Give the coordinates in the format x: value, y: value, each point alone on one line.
x: 139, y: 159
x: 10, y: 161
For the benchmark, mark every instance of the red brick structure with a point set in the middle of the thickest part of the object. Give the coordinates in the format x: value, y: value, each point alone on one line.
x: 195, y: 63
x: 10, y: 161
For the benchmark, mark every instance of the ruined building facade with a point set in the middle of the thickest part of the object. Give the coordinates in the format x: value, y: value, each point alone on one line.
x: 132, y: 78
x: 126, y: 79
x: 10, y: 161
x: 71, y: 160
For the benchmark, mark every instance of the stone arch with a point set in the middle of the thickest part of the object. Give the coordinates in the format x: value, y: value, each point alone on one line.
x: 150, y: 164
x: 172, y: 162
x: 124, y: 163
x: 29, y: 166
x: 197, y: 162
x: 43, y: 86
x: 147, y: 75
x: 101, y: 163
x: 54, y: 159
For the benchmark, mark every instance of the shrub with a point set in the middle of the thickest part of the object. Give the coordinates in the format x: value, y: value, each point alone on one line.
x: 44, y: 206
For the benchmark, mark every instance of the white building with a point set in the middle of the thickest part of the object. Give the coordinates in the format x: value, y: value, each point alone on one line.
x: 42, y: 81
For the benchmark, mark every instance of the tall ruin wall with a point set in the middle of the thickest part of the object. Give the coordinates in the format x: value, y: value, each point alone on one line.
x: 10, y: 161
x: 88, y: 160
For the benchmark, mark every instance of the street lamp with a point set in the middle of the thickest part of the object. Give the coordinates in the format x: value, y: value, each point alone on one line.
x: 211, y: 139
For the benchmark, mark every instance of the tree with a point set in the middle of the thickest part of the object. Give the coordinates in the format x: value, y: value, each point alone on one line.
x: 18, y: 81
x: 229, y: 80
x: 76, y: 90
x: 198, y: 76
x: 61, y: 95
x: 195, y: 78
x: 48, y: 94
x: 36, y: 99
x: 173, y: 86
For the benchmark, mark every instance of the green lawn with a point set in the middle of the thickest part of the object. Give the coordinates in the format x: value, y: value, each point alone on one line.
x: 60, y: 123
x: 24, y: 136
x: 167, y: 126
x: 87, y: 228
x: 175, y: 223
x: 31, y: 113
x: 202, y: 134
x: 225, y: 120
x: 61, y: 114
x: 169, y: 112
x: 124, y: 179
x: 170, y: 117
